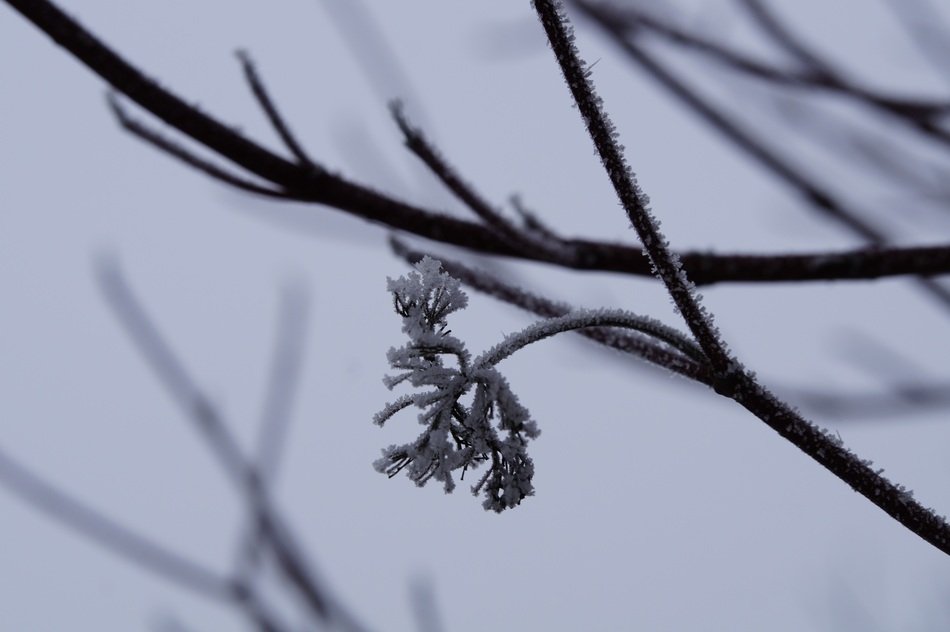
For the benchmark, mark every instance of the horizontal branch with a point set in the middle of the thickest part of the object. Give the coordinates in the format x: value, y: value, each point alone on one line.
x: 304, y: 182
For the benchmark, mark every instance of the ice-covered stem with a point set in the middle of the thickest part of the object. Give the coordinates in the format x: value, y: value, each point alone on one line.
x: 640, y: 345
x: 666, y: 265
x: 543, y: 245
x: 731, y: 380
x: 583, y: 319
x: 894, y: 499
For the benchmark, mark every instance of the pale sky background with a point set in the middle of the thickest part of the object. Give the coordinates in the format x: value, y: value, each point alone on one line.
x: 659, y: 505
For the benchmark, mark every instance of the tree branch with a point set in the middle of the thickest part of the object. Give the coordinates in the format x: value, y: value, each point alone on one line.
x: 731, y: 379
x: 292, y: 181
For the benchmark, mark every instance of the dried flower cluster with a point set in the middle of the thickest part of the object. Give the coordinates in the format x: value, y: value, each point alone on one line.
x: 493, y: 428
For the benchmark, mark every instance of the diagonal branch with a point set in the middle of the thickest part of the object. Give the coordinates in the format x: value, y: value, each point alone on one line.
x: 733, y: 380
x: 270, y: 109
x: 544, y: 248
x: 289, y: 557
x: 275, y: 419
x: 601, y: 130
x: 112, y: 536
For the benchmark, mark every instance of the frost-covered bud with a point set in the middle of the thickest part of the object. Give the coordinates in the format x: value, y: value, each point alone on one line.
x: 426, y: 297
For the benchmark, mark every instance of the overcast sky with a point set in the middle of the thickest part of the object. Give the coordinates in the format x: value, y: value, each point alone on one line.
x: 659, y: 505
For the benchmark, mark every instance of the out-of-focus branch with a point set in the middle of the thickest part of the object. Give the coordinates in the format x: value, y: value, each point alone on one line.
x: 817, y: 197
x: 820, y: 77
x: 275, y: 419
x: 63, y: 508
x: 923, y: 120
x: 288, y: 556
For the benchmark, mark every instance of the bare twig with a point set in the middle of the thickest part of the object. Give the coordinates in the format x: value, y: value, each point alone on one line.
x: 543, y: 248
x: 270, y: 109
x: 173, y: 149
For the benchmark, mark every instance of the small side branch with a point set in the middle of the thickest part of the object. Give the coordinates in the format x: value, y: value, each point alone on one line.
x: 273, y: 114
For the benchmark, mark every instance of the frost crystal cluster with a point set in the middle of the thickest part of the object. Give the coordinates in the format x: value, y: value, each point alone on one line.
x: 494, y: 428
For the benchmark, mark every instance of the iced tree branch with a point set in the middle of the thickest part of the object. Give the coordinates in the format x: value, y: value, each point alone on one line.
x: 732, y: 380
x: 666, y: 265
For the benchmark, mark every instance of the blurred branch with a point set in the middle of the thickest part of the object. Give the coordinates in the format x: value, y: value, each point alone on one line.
x: 64, y: 509
x: 289, y: 558
x: 927, y: 30
x: 816, y: 196
x: 923, y: 117
x: 275, y: 419
x: 422, y: 598
x: 816, y: 75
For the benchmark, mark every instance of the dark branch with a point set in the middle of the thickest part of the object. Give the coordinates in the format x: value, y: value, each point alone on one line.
x: 270, y: 109
x: 173, y: 149
x: 734, y: 381
x: 418, y: 144
x: 290, y: 180
x: 666, y: 266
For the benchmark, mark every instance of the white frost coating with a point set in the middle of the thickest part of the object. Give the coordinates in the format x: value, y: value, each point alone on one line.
x: 582, y: 318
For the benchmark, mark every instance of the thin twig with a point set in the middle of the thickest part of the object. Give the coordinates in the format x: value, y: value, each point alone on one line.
x: 193, y: 160
x: 554, y: 251
x: 273, y: 114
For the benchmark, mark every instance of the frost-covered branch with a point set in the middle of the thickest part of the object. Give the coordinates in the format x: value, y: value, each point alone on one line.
x: 605, y: 137
x: 732, y: 380
x: 582, y: 319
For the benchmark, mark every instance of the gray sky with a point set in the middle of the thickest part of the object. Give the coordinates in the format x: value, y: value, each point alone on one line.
x: 658, y: 506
